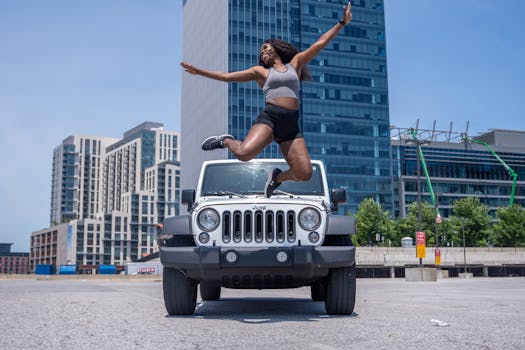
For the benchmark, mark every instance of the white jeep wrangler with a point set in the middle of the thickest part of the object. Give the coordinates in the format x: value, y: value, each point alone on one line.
x: 234, y: 237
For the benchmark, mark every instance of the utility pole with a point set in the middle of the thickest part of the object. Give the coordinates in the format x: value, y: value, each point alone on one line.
x: 464, y: 246
x: 418, y: 143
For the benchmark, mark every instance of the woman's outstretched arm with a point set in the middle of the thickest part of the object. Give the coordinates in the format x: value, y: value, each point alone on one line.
x: 253, y: 73
x: 303, y: 57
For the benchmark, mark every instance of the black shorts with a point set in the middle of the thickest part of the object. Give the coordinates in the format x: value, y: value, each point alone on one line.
x: 284, y: 122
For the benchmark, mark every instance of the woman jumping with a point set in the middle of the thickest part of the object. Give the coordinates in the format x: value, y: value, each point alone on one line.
x: 281, y: 67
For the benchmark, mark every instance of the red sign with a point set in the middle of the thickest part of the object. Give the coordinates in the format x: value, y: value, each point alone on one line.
x: 150, y: 269
x: 421, y: 238
x: 421, y: 242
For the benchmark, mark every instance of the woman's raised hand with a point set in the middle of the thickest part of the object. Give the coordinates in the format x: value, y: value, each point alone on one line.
x: 347, y: 16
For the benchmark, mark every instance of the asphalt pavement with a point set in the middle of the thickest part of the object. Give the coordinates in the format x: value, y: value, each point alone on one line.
x: 479, y: 313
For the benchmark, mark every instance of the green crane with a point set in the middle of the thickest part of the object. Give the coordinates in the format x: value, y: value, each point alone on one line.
x: 425, y: 170
x: 511, y: 172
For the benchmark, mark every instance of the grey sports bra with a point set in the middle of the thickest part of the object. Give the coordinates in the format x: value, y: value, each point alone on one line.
x: 281, y: 84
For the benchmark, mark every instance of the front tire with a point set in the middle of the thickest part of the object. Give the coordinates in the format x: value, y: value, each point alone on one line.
x: 340, y: 291
x: 341, y: 282
x: 180, y: 292
x: 210, y: 291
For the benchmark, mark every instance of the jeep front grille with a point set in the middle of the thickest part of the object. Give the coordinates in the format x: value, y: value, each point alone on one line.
x: 258, y: 226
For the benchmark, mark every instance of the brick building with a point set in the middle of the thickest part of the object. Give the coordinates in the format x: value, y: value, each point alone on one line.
x: 10, y: 262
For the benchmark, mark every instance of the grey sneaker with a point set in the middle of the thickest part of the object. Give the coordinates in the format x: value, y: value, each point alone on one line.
x: 272, y: 184
x: 214, y: 142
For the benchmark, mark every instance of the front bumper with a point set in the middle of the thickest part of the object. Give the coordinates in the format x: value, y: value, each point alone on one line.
x: 211, y: 263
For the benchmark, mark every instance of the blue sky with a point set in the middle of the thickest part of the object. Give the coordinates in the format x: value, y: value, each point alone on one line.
x: 100, y: 67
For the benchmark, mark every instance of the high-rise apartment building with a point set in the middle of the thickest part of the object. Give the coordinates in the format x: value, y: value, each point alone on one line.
x: 141, y: 175
x: 76, y: 186
x: 127, y: 161
x: 110, y: 194
x: 344, y: 108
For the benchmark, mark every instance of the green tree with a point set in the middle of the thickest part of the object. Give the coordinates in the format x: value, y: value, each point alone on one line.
x: 404, y: 227
x: 509, y: 231
x: 371, y: 220
x: 407, y: 227
x: 391, y: 234
x: 470, y: 215
x: 446, y: 231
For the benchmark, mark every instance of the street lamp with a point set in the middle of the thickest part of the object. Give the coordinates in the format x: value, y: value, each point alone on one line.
x: 418, y: 143
x: 464, y: 245
x: 437, y: 251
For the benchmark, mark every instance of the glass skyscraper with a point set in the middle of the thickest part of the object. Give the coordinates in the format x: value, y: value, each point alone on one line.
x: 344, y: 108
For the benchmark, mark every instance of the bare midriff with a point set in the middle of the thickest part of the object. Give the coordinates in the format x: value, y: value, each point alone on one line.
x: 285, y: 102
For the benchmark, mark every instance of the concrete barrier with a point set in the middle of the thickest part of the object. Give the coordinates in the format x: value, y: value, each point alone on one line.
x: 465, y: 275
x: 442, y: 274
x: 81, y: 277
x: 420, y: 274
x: 397, y: 256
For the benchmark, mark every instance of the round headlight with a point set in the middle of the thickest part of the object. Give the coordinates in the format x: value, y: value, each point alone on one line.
x: 208, y: 220
x: 309, y: 219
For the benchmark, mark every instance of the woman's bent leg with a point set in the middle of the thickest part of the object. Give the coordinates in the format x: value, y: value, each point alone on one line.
x: 259, y: 136
x: 297, y: 157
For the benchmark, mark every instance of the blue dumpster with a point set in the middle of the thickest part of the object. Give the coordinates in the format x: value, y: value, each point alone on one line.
x: 67, y: 270
x: 45, y: 269
x: 107, y: 269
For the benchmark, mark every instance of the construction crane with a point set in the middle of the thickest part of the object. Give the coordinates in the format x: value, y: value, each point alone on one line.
x: 511, y: 172
x: 413, y: 133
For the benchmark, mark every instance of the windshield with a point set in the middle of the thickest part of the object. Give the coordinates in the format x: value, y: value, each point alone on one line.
x: 250, y: 178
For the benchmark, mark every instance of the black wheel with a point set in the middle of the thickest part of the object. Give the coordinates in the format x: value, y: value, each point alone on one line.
x: 340, y: 283
x: 210, y: 291
x: 180, y: 292
x: 318, y: 290
x: 340, y: 291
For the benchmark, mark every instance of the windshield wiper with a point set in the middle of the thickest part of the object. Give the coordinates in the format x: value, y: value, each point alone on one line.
x: 285, y: 193
x: 224, y: 193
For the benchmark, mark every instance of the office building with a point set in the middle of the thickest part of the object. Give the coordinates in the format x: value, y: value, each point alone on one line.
x: 344, y: 110
x: 459, y: 169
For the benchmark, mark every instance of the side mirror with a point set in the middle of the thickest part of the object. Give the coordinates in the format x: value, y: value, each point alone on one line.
x: 338, y: 195
x: 188, y: 197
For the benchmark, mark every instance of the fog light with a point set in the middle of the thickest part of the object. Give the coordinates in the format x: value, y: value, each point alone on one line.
x: 282, y: 256
x: 231, y: 257
x: 204, y: 237
x: 313, y: 237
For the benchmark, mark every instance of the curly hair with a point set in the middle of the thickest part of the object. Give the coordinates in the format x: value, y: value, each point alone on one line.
x: 286, y: 52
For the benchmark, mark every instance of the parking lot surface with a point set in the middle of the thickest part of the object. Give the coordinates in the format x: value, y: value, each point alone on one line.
x: 479, y: 313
